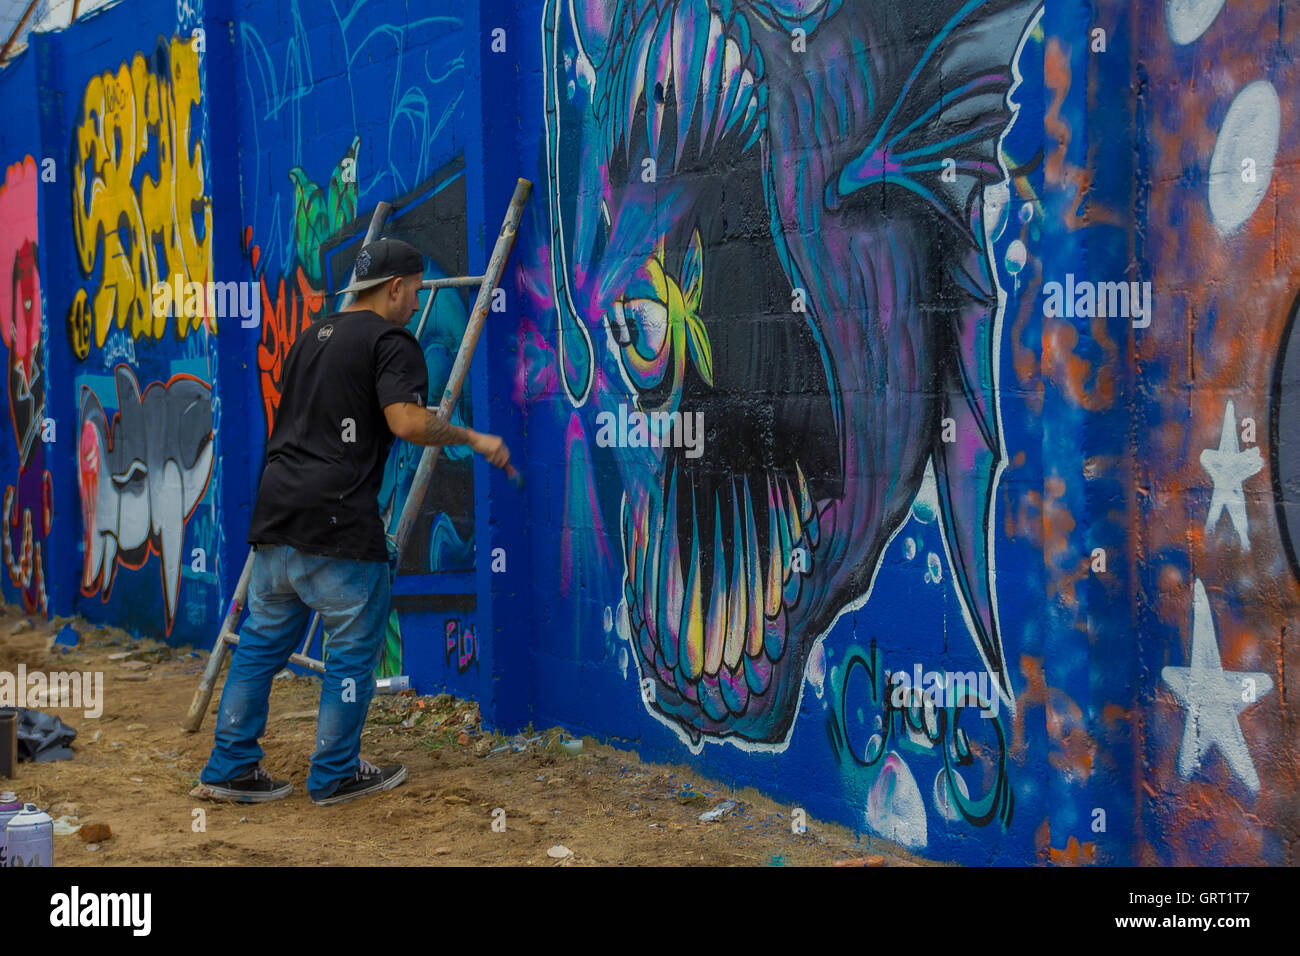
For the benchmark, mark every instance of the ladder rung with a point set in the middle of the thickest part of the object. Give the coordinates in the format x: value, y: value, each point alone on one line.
x: 451, y: 281
x: 301, y: 660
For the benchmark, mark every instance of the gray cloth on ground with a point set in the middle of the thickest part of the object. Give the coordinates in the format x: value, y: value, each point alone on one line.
x: 43, y: 737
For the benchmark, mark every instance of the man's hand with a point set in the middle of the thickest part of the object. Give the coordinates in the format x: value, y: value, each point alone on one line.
x: 492, y: 448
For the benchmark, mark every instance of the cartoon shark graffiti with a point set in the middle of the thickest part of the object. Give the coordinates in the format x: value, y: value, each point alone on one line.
x: 142, y: 476
x: 770, y: 212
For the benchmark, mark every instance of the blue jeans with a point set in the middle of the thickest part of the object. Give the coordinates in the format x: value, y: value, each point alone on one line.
x: 354, y: 599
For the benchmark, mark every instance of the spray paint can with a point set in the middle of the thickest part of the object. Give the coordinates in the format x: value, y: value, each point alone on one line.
x: 9, y: 807
x: 392, y: 685
x: 29, y: 838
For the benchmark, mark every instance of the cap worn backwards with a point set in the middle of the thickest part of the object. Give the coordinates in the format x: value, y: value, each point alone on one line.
x: 382, y: 260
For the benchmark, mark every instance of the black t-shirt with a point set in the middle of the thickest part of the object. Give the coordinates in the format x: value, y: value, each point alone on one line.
x: 326, y: 454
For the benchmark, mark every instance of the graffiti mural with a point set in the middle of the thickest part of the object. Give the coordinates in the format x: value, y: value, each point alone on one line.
x: 27, y: 512
x: 315, y: 197
x: 461, y: 644
x: 843, y: 345
x: 316, y: 217
x: 1224, y: 592
x: 863, y: 298
x: 141, y: 210
x: 957, y: 734
x: 141, y: 475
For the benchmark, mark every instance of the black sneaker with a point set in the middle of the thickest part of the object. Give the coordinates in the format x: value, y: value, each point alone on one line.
x: 251, y: 786
x: 369, y: 779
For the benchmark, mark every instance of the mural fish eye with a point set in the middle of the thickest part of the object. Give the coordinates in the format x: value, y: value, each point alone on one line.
x: 785, y: 238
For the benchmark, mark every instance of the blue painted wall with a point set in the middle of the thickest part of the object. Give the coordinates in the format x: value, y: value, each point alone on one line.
x: 850, y: 256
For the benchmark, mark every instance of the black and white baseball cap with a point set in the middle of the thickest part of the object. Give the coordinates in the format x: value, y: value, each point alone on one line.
x: 382, y: 260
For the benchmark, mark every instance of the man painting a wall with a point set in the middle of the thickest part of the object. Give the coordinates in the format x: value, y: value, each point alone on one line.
x: 353, y: 381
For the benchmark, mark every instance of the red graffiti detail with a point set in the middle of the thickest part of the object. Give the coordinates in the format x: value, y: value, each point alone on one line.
x: 88, y: 465
x: 282, y: 320
x: 25, y: 568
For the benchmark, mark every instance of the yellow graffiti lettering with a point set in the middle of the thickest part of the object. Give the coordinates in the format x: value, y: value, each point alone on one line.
x: 141, y: 210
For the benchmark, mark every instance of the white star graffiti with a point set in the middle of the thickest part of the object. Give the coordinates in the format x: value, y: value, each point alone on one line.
x: 1229, y: 467
x: 1213, y: 698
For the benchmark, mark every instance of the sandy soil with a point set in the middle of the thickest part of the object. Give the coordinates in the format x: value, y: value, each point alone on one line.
x: 135, y: 769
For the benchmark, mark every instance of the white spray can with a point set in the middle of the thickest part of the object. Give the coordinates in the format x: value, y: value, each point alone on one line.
x: 392, y: 685
x: 29, y: 835
x: 9, y: 807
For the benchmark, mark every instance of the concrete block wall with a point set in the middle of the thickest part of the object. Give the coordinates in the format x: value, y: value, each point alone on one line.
x: 864, y: 246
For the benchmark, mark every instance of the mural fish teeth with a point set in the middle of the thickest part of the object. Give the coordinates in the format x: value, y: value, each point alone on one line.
x: 812, y: 239
x: 723, y: 639
x: 142, y: 476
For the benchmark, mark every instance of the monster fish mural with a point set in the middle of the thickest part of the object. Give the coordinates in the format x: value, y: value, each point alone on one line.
x: 142, y: 476
x: 771, y: 213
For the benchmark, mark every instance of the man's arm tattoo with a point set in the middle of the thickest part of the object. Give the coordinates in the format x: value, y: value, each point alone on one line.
x: 439, y: 432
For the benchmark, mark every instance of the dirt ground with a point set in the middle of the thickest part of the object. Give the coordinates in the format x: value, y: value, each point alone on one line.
x: 135, y: 769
